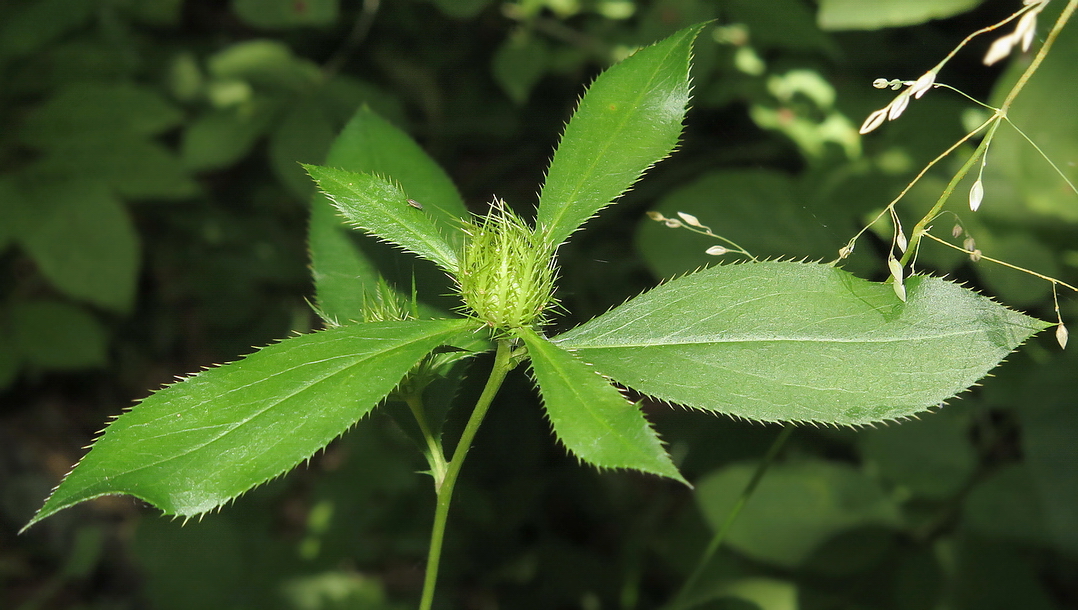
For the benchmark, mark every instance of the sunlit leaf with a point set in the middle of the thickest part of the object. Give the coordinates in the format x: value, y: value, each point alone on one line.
x: 200, y: 443
x: 629, y: 119
x: 596, y: 423
x: 784, y: 341
x: 382, y: 209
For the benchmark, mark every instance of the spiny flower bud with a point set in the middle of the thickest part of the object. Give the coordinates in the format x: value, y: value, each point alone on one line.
x: 506, y: 275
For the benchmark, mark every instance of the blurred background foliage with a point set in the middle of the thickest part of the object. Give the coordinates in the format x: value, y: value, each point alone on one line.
x: 153, y: 217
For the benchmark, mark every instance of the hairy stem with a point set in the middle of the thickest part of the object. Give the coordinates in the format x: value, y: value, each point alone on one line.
x: 444, y: 488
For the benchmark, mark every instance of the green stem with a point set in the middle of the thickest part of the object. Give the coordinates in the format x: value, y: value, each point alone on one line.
x: 502, y: 366
x: 720, y: 535
x: 921, y: 226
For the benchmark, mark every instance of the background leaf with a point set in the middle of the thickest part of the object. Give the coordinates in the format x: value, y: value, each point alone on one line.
x: 783, y: 341
x: 858, y: 15
x: 829, y: 497
x: 735, y: 204
x: 200, y: 443
x: 629, y: 119
x: 82, y: 240
x: 596, y: 423
x: 51, y: 334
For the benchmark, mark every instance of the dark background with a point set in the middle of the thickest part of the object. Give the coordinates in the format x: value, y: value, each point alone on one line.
x: 152, y: 222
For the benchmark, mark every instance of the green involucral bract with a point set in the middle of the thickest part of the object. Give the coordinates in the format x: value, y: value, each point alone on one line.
x: 506, y: 275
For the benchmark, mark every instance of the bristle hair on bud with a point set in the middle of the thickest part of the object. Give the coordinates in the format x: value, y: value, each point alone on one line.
x: 507, y: 274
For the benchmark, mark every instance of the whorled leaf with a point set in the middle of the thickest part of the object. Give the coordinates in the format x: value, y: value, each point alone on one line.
x: 786, y: 341
x: 629, y: 119
x: 197, y: 444
x: 344, y: 268
x: 590, y: 416
x: 384, y: 210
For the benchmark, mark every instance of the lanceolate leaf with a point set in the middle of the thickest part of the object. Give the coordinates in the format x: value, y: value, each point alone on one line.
x: 382, y: 209
x: 629, y: 119
x: 342, y: 270
x: 596, y: 423
x: 784, y: 341
x: 200, y: 443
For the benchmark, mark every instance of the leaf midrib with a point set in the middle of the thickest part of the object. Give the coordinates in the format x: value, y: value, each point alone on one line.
x: 271, y: 405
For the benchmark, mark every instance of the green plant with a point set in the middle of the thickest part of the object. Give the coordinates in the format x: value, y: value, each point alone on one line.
x: 774, y: 341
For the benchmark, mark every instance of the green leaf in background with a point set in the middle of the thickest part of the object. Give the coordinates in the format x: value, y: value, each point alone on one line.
x: 39, y: 23
x: 785, y: 341
x: 1006, y: 505
x: 795, y: 508
x: 222, y: 136
x: 760, y: 209
x: 136, y: 167
x: 304, y: 135
x: 55, y: 335
x: 381, y: 208
x: 342, y: 270
x: 286, y: 13
x: 931, y: 457
x: 519, y: 63
x: 1048, y: 433
x: 782, y: 24
x: 1018, y: 181
x: 197, y: 444
x: 629, y: 119
x: 82, y: 240
x: 861, y: 15
x: 99, y: 111
x: 264, y: 63
x: 596, y: 423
